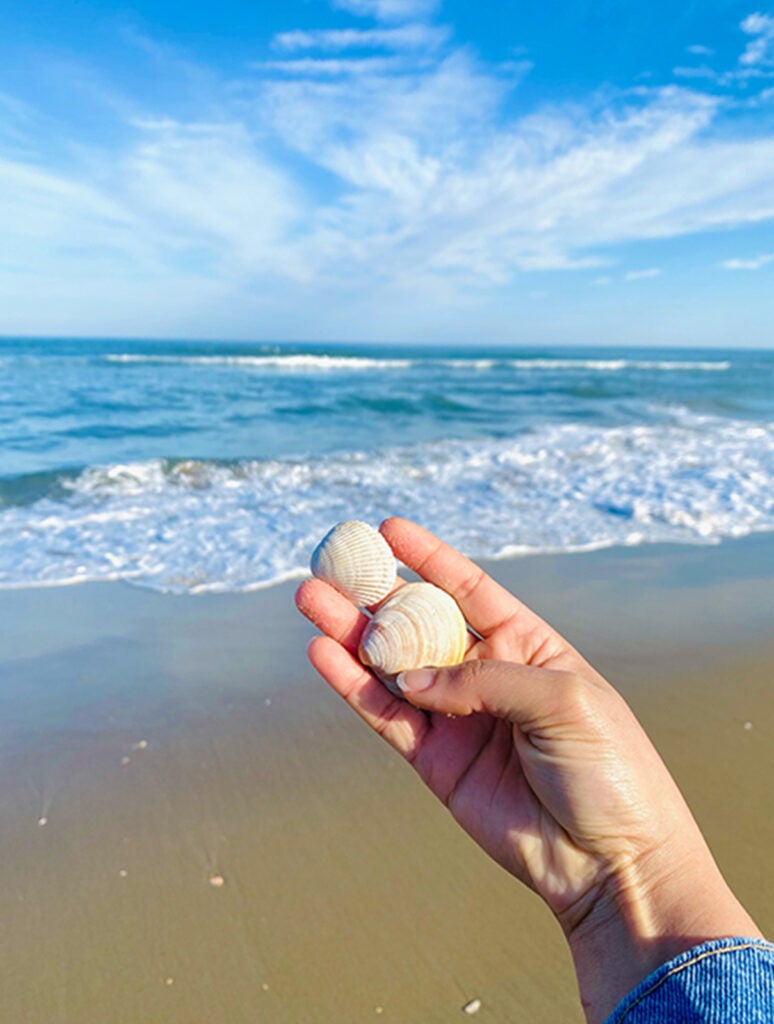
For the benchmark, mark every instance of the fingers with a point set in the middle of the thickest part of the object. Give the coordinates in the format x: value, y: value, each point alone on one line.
x: 526, y: 696
x: 331, y: 612
x: 334, y: 657
x: 485, y: 604
x: 400, y: 724
x: 335, y: 614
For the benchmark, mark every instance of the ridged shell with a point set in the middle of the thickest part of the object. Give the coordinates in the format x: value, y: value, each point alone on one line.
x: 357, y: 560
x: 419, y: 626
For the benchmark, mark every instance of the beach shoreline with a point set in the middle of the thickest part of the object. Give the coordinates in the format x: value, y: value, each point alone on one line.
x: 152, y: 743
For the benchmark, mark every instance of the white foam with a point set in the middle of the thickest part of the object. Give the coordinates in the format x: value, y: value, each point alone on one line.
x: 615, y: 365
x: 196, y: 526
x: 316, y: 363
x: 287, y: 362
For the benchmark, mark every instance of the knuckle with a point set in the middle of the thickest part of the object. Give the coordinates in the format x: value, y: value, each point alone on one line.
x: 468, y: 673
x: 574, y: 691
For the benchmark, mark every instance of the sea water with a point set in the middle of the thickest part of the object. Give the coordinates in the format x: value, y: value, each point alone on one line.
x: 200, y: 466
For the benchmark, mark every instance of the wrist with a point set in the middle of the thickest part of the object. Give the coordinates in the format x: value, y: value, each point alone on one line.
x: 644, y: 915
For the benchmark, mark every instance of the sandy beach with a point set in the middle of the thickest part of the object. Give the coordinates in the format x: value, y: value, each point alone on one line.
x: 195, y: 828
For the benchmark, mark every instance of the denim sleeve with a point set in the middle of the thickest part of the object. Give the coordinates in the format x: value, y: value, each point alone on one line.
x: 725, y: 981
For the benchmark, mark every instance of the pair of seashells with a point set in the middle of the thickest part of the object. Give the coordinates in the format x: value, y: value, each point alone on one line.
x: 417, y: 626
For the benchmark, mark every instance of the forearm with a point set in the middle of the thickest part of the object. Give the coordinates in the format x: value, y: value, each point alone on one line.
x: 646, y: 917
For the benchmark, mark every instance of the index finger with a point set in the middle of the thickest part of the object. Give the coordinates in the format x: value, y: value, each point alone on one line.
x: 486, y: 605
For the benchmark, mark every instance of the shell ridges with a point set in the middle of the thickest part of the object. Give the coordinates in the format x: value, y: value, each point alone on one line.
x: 419, y: 626
x: 357, y: 560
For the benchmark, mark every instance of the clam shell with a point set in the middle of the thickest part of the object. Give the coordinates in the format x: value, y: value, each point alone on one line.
x: 357, y: 560
x: 419, y: 626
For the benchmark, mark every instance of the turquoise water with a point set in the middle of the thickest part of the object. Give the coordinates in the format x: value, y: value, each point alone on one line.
x: 190, y: 466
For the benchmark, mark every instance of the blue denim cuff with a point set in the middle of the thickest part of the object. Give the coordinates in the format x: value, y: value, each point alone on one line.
x: 725, y: 981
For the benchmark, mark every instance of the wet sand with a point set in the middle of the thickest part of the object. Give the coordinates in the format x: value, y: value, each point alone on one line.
x: 151, y: 744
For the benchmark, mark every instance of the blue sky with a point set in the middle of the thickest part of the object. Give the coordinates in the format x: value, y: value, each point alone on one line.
x: 389, y: 170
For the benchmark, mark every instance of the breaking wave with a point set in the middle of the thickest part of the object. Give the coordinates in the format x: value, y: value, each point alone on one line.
x: 199, y: 525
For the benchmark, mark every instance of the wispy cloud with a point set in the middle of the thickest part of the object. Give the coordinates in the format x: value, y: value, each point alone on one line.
x: 549, y: 191
x: 761, y: 49
x: 408, y: 175
x: 756, y: 62
x: 404, y: 37
x: 16, y: 119
x: 738, y: 77
x: 642, y: 275
x: 319, y: 67
x: 389, y: 10
x: 37, y: 207
x: 15, y: 109
x: 427, y: 179
x: 749, y: 264
x: 700, y: 71
x: 205, y: 184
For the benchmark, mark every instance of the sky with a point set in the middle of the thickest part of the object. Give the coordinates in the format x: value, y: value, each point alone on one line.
x: 389, y: 170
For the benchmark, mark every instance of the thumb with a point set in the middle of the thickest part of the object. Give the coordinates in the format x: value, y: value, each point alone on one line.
x: 523, y: 695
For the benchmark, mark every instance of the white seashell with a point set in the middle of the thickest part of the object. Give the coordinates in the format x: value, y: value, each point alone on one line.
x: 357, y: 560
x: 419, y: 626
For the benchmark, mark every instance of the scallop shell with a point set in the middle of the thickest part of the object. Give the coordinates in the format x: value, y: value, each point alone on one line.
x: 357, y: 560
x: 419, y: 626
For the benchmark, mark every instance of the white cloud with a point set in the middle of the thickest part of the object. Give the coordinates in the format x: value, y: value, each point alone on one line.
x: 432, y: 180
x: 702, y: 71
x: 389, y: 10
x: 43, y: 212
x: 205, y: 185
x: 14, y: 109
x: 404, y: 37
x: 437, y: 114
x: 761, y: 49
x: 317, y: 67
x: 303, y: 187
x: 751, y: 264
x: 15, y: 120
x: 756, y: 61
x: 182, y: 199
x: 741, y: 76
x: 642, y: 275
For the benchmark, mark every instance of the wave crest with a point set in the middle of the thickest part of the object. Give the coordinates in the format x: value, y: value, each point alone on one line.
x: 198, y: 525
x: 317, y: 363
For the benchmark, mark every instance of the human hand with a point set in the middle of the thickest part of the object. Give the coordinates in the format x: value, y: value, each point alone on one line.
x: 546, y: 767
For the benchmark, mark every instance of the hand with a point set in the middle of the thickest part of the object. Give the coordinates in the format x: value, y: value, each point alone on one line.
x: 545, y: 766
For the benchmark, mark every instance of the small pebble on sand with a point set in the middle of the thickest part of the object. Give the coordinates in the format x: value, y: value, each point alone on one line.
x: 379, y: 1009
x: 265, y: 987
x: 217, y: 881
x: 123, y: 873
x: 748, y: 726
x: 169, y: 981
x: 472, y: 1007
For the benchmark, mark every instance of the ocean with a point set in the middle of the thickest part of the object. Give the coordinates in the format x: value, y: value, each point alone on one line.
x: 192, y: 467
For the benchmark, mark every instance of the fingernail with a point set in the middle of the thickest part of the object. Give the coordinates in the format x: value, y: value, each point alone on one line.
x: 417, y: 680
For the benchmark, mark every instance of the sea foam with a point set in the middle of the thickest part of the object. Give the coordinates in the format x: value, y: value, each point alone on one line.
x: 197, y: 525
x: 310, y: 363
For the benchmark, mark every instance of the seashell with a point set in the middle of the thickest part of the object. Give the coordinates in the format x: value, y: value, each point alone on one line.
x: 357, y: 560
x: 419, y: 626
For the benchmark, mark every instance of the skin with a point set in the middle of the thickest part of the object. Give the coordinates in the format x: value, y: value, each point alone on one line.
x: 548, y: 770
